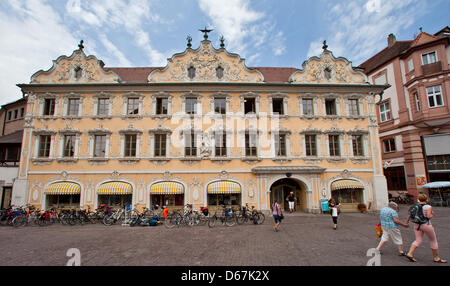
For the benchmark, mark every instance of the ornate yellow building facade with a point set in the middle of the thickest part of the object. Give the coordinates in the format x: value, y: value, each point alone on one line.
x: 204, y: 130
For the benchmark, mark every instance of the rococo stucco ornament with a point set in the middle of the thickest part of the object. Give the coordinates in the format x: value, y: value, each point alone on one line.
x: 206, y: 61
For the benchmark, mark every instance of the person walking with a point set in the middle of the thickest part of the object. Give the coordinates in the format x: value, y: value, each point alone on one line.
x: 389, y: 224
x: 334, y: 211
x: 277, y: 215
x: 425, y: 228
x: 291, y: 199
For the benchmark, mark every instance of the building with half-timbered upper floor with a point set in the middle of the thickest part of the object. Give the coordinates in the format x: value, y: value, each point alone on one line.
x: 203, y: 130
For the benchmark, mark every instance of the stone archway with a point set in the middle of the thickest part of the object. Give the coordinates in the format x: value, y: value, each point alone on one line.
x: 281, y: 188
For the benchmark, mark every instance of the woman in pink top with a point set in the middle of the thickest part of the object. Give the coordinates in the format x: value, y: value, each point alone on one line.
x: 427, y: 229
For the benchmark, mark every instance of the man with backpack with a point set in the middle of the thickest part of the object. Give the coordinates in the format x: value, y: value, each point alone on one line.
x: 420, y: 214
x: 389, y: 224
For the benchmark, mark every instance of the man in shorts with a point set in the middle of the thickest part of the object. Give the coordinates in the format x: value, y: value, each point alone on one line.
x: 389, y: 224
x: 291, y: 199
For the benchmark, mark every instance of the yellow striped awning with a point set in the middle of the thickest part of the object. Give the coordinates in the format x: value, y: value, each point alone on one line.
x: 224, y: 187
x: 166, y: 188
x: 346, y: 184
x: 115, y: 188
x: 63, y: 188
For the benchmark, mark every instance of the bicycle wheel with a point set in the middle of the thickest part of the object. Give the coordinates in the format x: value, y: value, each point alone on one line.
x: 108, y: 220
x: 171, y: 221
x: 261, y: 218
x: 212, y: 221
x: 230, y: 220
x: 202, y: 220
x: 240, y: 219
x: 19, y: 221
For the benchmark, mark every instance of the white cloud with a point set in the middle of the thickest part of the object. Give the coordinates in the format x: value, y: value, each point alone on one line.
x: 119, y: 58
x: 359, y: 28
x: 132, y: 15
x: 32, y: 37
x: 242, y: 27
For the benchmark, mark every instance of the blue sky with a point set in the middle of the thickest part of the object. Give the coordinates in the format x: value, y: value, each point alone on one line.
x: 136, y: 33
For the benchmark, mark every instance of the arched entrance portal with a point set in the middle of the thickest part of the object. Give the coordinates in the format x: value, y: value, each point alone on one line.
x: 280, y: 191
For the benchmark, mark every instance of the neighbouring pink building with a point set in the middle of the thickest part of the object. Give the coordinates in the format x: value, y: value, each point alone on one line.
x: 414, y: 113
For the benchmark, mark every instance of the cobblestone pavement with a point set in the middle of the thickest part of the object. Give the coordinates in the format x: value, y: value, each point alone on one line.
x: 303, y: 239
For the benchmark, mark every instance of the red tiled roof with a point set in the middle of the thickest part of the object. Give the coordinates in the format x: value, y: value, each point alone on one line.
x: 132, y: 75
x: 140, y: 75
x: 385, y: 55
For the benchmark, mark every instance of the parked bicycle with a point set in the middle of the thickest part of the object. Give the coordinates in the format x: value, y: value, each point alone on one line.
x: 226, y: 217
x: 250, y: 214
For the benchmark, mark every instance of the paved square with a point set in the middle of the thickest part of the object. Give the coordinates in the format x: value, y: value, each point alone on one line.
x: 304, y: 239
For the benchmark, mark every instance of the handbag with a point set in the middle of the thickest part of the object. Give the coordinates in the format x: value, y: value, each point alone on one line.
x: 379, y: 230
x: 281, y: 216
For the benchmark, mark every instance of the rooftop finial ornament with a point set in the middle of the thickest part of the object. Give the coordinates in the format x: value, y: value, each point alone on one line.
x: 222, y: 40
x: 80, y: 45
x: 325, y: 46
x: 189, y: 40
x: 206, y: 31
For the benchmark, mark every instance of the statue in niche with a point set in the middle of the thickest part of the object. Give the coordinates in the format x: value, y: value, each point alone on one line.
x: 205, y: 148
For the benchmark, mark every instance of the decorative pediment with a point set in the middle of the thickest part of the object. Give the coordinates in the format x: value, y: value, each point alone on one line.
x: 328, y: 70
x: 205, y: 64
x: 78, y: 68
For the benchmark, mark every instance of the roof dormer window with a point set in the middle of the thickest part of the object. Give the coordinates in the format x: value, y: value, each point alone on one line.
x: 78, y: 73
x: 191, y: 72
x: 219, y: 72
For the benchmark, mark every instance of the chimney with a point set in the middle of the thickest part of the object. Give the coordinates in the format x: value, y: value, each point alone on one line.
x: 391, y: 40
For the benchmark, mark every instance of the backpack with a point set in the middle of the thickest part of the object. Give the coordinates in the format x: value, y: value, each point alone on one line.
x: 416, y: 215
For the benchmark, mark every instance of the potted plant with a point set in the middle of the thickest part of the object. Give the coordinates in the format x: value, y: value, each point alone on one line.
x: 362, y: 208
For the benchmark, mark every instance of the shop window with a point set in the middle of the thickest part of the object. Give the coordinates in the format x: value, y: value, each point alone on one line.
x: 224, y: 199
x: 167, y: 200
x: 63, y: 201
x: 347, y: 196
x: 115, y: 200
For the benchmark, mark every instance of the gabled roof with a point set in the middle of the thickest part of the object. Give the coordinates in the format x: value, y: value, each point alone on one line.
x: 385, y: 56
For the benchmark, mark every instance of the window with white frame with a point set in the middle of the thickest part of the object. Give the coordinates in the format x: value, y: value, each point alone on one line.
x: 160, y: 145
x: 410, y: 65
x: 220, y: 105
x: 73, y: 107
x: 417, y: 101
x: 330, y: 106
x: 389, y: 145
x: 130, y: 145
x: 190, y: 144
x: 162, y: 105
x: 381, y: 80
x: 311, y: 145
x: 429, y: 58
x: 385, y: 111
x: 357, y: 142
x: 250, y: 144
x: 434, y: 95
x: 103, y: 106
x: 353, y: 107
x: 280, y: 145
x: 69, y: 145
x: 44, y: 146
x: 308, y: 107
x: 220, y: 144
x: 191, y: 105
x: 99, y: 146
x: 49, y: 106
x: 133, y: 105
x: 333, y: 141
